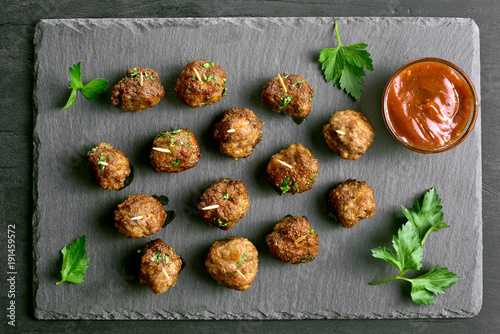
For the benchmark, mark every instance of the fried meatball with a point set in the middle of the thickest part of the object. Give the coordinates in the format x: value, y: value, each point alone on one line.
x: 139, y: 90
x: 233, y: 263
x: 293, y: 241
x: 159, y: 267
x: 140, y: 216
x: 238, y: 133
x: 349, y: 134
x: 293, y: 170
x: 201, y: 83
x: 224, y: 203
x: 352, y: 201
x: 109, y: 166
x: 296, y: 101
x: 174, y: 151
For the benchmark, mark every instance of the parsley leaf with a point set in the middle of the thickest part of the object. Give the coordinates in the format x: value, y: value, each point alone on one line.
x: 243, y: 259
x: 409, y: 252
x: 74, y: 264
x: 432, y: 282
x: 345, y: 65
x: 90, y: 90
x: 429, y: 217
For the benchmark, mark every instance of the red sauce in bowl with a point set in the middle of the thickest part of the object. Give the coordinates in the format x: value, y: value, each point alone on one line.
x: 430, y: 105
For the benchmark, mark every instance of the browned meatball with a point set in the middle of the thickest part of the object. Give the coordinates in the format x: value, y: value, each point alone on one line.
x: 174, y: 151
x: 224, y: 203
x: 238, y: 132
x: 201, y: 83
x: 139, y: 90
x: 293, y: 241
x: 109, y: 166
x: 296, y: 101
x: 140, y: 216
x: 352, y: 201
x: 233, y: 263
x: 159, y: 267
x: 349, y: 134
x: 293, y: 170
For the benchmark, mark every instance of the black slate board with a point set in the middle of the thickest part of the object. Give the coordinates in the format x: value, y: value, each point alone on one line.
x: 251, y: 50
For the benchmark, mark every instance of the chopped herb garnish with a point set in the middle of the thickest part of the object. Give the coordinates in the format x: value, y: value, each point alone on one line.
x: 190, y: 145
x: 225, y: 180
x: 298, y: 82
x: 176, y: 163
x: 285, y: 187
x: 209, y: 78
x: 226, y: 196
x: 311, y: 231
x: 172, y: 141
x: 307, y: 258
x: 285, y: 101
x: 221, y: 224
x: 243, y: 259
x: 139, y: 251
x: 175, y: 131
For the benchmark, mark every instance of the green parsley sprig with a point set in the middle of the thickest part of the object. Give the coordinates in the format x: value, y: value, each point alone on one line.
x: 90, y: 90
x: 345, y: 65
x: 74, y: 264
x: 408, y: 245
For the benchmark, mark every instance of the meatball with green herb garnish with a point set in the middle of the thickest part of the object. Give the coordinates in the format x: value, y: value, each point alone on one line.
x: 233, y: 263
x: 349, y: 134
x: 140, y: 89
x: 293, y: 170
x: 352, y: 201
x: 174, y: 151
x: 289, y: 94
x: 293, y: 241
x: 160, y: 265
x: 140, y: 216
x: 224, y: 203
x: 109, y: 166
x: 201, y: 83
x: 237, y: 134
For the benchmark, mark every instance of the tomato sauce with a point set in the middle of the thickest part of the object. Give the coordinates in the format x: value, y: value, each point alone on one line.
x: 429, y: 105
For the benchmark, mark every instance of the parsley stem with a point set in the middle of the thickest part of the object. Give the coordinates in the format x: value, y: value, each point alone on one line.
x: 388, y: 279
x: 337, y: 32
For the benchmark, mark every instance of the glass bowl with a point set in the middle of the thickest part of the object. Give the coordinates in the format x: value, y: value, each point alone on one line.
x: 416, y: 117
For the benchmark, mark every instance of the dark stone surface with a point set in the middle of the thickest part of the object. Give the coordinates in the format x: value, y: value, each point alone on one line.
x: 17, y: 59
x: 335, y: 284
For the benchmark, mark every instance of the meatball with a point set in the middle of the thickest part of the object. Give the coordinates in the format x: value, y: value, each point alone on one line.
x: 139, y: 90
x: 352, y: 201
x: 140, y: 216
x: 293, y: 170
x: 233, y: 263
x: 349, y: 134
x: 201, y: 83
x: 224, y: 203
x: 238, y: 133
x: 293, y: 241
x: 174, y: 151
x: 159, y: 267
x: 109, y: 166
x: 295, y: 100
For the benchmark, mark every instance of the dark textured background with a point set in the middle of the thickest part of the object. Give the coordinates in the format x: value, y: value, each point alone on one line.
x: 18, y: 20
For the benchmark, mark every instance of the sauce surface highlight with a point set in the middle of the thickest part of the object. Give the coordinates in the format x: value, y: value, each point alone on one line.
x: 429, y: 105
